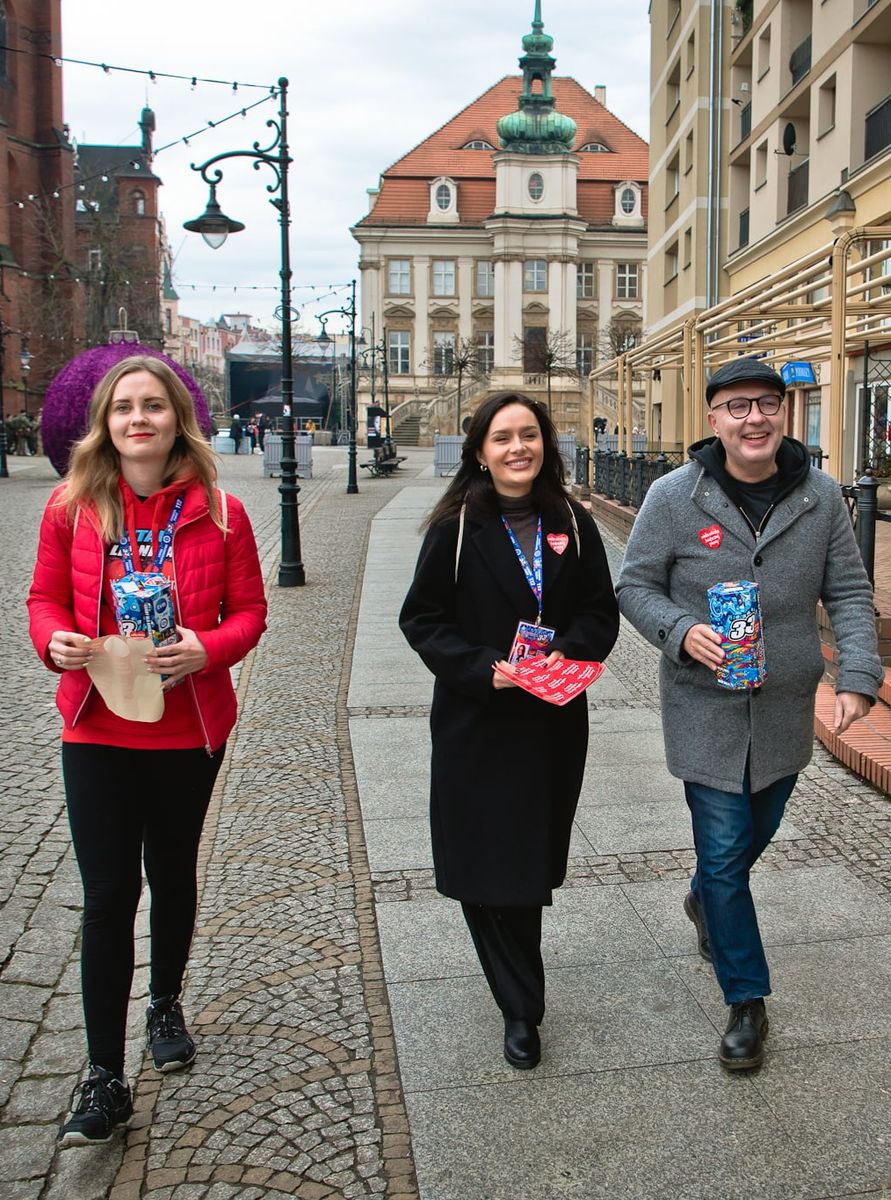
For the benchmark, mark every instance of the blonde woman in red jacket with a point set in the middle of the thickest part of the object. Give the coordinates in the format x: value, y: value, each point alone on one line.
x: 144, y: 477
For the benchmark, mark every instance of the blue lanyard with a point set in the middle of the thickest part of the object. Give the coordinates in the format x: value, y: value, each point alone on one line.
x: 165, y: 540
x: 534, y: 573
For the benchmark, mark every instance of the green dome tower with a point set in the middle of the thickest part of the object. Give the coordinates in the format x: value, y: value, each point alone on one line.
x: 536, y: 127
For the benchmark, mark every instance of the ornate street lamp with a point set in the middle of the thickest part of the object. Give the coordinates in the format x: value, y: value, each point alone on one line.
x: 25, y: 364
x: 373, y: 352
x: 350, y: 313
x: 214, y: 226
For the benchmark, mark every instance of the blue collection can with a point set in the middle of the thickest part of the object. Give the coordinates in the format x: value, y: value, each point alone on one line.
x: 735, y: 615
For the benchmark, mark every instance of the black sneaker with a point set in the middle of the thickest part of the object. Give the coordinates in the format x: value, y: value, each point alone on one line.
x: 169, y: 1041
x: 104, y: 1103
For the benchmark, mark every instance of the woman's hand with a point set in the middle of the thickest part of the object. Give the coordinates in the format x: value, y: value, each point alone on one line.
x: 500, y: 681
x: 178, y: 660
x: 69, y: 651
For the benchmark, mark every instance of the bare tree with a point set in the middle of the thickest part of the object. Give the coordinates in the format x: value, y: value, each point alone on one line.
x: 551, y: 354
x: 618, y: 337
x: 459, y: 362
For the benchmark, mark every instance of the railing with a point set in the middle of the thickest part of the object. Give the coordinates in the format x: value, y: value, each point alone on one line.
x: 800, y: 60
x: 627, y: 480
x: 582, y: 465
x: 878, y: 128
x: 745, y: 121
x: 798, y: 187
x: 744, y: 228
x: 862, y: 499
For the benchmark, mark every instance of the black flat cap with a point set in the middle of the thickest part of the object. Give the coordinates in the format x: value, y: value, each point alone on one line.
x: 741, y: 370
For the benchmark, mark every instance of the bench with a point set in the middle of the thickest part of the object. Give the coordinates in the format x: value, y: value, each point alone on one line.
x: 385, y: 461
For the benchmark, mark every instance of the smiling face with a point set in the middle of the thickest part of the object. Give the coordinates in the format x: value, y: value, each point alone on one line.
x: 751, y: 444
x: 513, y: 450
x: 142, y: 422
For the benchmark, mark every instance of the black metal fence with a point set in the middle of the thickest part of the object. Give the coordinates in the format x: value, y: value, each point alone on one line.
x: 863, y: 505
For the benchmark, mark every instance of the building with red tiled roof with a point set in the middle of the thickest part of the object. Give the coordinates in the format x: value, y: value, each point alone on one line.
x: 507, y: 249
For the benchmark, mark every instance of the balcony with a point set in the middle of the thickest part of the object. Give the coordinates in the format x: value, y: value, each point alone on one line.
x: 878, y: 128
x: 745, y: 121
x: 743, y: 228
x: 800, y: 60
x: 798, y: 187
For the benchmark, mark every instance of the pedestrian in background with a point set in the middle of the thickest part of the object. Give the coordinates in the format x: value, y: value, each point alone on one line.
x: 748, y: 507
x: 236, y: 432
x: 142, y: 477
x: 505, y: 544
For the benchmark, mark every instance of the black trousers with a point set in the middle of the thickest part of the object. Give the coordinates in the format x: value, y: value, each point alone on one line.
x: 508, y: 943
x: 126, y: 806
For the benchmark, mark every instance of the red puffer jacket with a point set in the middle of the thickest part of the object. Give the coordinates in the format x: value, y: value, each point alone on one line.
x: 218, y: 593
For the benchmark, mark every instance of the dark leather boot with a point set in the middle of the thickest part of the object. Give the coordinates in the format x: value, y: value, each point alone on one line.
x: 742, y: 1046
x: 522, y: 1045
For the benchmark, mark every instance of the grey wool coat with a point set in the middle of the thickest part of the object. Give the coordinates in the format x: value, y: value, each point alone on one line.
x: 806, y: 553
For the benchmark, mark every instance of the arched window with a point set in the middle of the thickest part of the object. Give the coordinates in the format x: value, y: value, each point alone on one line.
x: 137, y: 199
x: 478, y: 144
x: 628, y: 200
x: 443, y: 197
x: 536, y: 186
x: 595, y: 148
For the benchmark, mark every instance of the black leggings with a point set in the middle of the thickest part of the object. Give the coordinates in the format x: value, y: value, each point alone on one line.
x: 125, y: 806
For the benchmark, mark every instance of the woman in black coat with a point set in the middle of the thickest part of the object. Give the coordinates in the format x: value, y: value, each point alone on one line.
x: 506, y: 544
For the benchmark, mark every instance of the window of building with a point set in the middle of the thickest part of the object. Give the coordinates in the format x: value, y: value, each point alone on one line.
x: 673, y: 12
x: 672, y: 180
x: 138, y: 201
x: 764, y: 52
x: 628, y: 200
x: 585, y: 281
x: 399, y: 277
x: 485, y: 277
x: 594, y: 148
x: 94, y: 259
x: 691, y: 54
x: 478, y: 144
x: 398, y: 352
x: 813, y: 413
x: 536, y: 186
x: 168, y: 321
x: 626, y: 281
x: 688, y: 247
x: 443, y: 196
x: 688, y: 153
x: 485, y: 351
x: 761, y: 160
x: 826, y: 106
x: 535, y: 275
x: 443, y: 353
x: 673, y: 91
x: 584, y: 353
x: 671, y: 262
x: 444, y: 277
x: 535, y: 348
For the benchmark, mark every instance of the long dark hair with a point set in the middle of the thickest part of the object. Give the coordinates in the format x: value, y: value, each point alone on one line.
x: 475, y: 487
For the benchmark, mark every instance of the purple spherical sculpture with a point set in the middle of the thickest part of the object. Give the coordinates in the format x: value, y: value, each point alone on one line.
x: 67, y: 402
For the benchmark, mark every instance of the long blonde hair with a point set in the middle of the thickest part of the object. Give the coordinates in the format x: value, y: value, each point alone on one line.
x: 95, y: 466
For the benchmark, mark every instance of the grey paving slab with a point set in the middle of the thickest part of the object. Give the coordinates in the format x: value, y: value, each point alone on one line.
x: 398, y: 844
x: 609, y: 783
x: 635, y: 827
x: 393, y: 772
x: 599, y: 1018
x: 807, y: 905
x: 683, y: 1132
x: 428, y: 939
x: 827, y: 1103
x: 823, y: 992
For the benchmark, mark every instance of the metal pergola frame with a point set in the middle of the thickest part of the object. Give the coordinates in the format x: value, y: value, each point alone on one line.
x: 785, y: 317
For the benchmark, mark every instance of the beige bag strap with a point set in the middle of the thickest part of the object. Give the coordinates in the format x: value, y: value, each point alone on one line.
x: 460, y: 537
x: 224, y: 512
x: 575, y: 530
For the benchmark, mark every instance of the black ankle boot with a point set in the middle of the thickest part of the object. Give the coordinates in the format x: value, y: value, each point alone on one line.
x: 742, y: 1046
x: 522, y: 1045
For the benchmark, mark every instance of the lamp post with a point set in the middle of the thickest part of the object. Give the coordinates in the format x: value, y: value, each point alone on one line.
x: 374, y: 351
x: 25, y: 363
x: 214, y: 226
x: 350, y: 313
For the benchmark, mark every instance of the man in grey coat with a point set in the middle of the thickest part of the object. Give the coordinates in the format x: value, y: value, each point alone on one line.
x: 748, y: 507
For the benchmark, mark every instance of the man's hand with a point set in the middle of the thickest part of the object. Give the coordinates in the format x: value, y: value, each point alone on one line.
x: 849, y: 707
x: 182, y: 658
x: 702, y: 643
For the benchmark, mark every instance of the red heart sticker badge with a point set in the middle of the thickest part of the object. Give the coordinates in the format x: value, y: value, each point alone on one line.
x: 711, y: 537
x: 558, y: 542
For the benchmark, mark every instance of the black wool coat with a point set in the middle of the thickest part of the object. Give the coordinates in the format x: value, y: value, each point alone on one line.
x: 506, y: 768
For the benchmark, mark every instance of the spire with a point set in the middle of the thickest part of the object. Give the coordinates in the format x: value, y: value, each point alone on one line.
x: 537, y: 128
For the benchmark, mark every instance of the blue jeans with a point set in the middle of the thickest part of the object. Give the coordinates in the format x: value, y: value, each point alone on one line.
x: 730, y: 832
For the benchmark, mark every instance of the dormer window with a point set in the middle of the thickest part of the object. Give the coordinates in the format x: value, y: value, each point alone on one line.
x: 595, y: 148
x: 443, y: 201
x: 478, y: 144
x: 628, y: 201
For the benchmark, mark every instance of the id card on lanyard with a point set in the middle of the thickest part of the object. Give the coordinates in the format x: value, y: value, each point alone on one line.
x: 165, y: 541
x: 532, y: 639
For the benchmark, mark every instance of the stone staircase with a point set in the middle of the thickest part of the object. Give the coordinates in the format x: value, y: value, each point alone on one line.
x: 407, y: 431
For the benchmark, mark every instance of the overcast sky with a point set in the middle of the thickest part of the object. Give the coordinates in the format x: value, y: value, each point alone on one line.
x: 369, y: 79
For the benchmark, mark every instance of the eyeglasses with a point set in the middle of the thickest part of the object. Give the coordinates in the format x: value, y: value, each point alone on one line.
x: 740, y: 406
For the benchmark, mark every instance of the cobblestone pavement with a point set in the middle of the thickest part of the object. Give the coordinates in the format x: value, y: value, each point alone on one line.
x: 295, y: 1091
